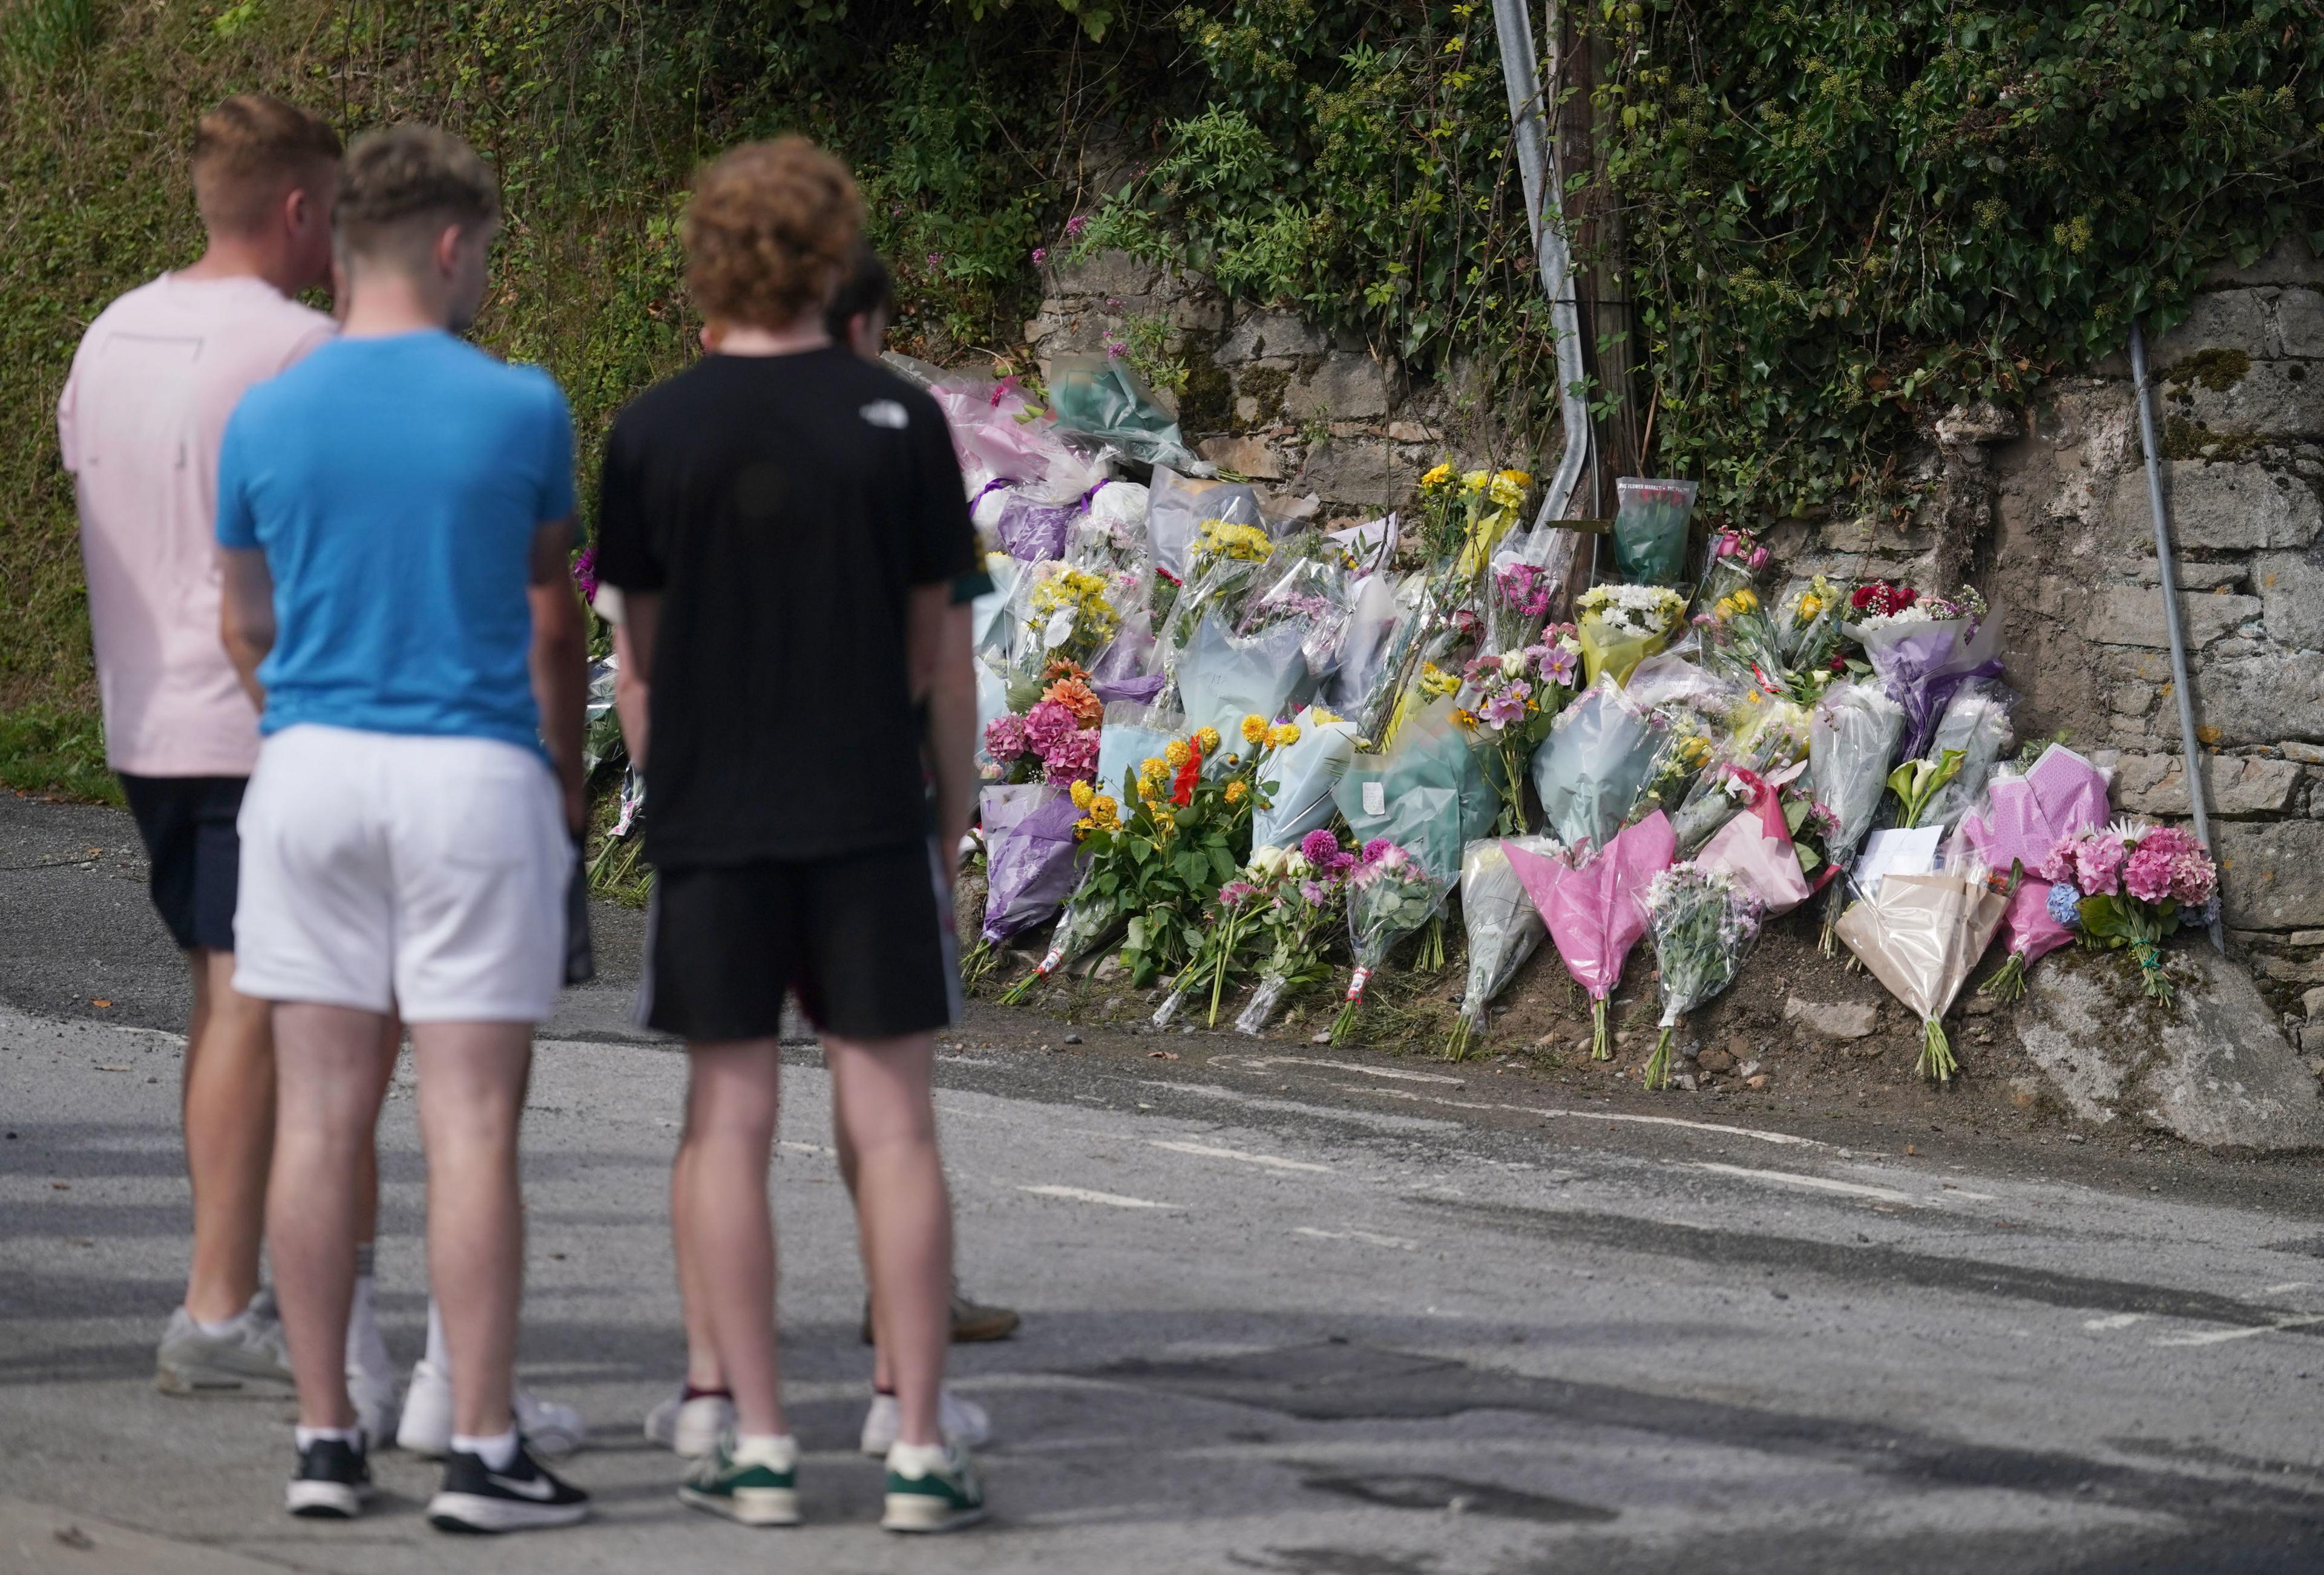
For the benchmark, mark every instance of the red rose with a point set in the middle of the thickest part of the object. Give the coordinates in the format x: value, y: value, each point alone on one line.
x: 1862, y: 597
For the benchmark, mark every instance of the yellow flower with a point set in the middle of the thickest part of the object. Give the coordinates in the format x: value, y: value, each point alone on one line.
x: 1283, y: 734
x: 1508, y: 488
x: 1208, y: 737
x: 1154, y: 766
x: 1693, y: 751
x: 1434, y: 680
x: 1323, y: 717
x: 1746, y: 600
x: 1810, y: 605
x: 1164, y: 821
x: 1083, y: 827
x: 1254, y: 728
x: 1517, y: 478
x: 1463, y: 718
x: 1220, y: 540
x: 1477, y: 481
x: 1082, y: 794
x: 1236, y: 790
x: 1177, y: 751
x: 1437, y: 477
x: 1104, y: 807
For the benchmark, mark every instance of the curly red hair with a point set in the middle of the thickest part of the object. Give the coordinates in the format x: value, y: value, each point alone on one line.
x: 767, y: 232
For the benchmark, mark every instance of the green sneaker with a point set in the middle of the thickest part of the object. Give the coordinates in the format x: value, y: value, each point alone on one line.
x: 754, y: 1482
x: 931, y: 1488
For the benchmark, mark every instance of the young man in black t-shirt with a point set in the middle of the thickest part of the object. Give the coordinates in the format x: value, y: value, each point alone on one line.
x: 785, y: 522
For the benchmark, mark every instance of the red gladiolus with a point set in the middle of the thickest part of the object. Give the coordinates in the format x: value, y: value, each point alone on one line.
x: 1182, y: 787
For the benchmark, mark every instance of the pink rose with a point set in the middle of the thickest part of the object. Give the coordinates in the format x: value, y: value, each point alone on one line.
x: 1758, y: 557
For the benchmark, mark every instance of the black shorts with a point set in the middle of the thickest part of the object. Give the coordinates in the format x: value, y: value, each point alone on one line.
x: 188, y: 826
x: 859, y: 937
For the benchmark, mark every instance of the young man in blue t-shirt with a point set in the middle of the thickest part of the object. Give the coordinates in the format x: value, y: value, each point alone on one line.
x: 395, y: 514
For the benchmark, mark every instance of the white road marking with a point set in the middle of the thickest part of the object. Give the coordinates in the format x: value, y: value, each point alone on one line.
x: 1814, y: 1182
x: 1367, y: 1236
x: 808, y: 1148
x: 1269, y: 1161
x: 1378, y: 1121
x: 2287, y: 1285
x: 2114, y: 1321
x: 1262, y: 1063
x: 1083, y: 1195
x: 1785, y: 1138
x: 2221, y: 1336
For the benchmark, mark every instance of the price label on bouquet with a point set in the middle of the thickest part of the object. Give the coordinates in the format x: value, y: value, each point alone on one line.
x: 1375, y: 798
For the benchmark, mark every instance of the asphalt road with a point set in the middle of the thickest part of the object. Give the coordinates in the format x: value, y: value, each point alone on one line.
x: 1287, y: 1309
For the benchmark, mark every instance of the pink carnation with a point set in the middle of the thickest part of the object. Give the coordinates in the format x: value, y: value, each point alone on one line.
x: 2097, y: 865
x: 1004, y: 737
x: 1072, y: 756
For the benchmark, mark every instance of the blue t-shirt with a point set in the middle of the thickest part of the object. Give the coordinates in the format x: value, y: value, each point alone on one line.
x: 395, y: 486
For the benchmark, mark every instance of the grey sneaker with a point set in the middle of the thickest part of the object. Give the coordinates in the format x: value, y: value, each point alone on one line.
x: 248, y: 1357
x: 931, y: 1488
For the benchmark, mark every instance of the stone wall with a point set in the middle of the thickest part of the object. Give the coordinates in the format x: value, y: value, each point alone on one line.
x: 2047, y: 512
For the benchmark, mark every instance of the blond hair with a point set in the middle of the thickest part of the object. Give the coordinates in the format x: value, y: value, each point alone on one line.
x: 767, y: 232
x: 248, y: 152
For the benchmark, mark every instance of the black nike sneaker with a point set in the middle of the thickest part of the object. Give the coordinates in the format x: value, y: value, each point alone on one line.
x: 524, y: 1497
x: 333, y: 1483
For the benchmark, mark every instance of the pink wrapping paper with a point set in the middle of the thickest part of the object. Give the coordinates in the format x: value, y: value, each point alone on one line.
x: 1596, y: 914
x: 1755, y: 848
x: 2021, y: 820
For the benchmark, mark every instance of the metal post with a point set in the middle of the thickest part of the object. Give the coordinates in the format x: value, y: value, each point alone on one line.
x: 1544, y: 211
x: 2180, y: 683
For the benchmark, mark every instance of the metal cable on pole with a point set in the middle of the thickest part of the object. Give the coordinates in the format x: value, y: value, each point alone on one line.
x: 1545, y: 212
x: 2182, y: 685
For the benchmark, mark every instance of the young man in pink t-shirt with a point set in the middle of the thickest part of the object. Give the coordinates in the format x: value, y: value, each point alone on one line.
x: 156, y: 378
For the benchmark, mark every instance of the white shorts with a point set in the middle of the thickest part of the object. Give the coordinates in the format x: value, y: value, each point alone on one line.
x: 388, y: 872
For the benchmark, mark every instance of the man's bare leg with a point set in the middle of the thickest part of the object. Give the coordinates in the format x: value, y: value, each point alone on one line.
x: 732, y: 1102
x: 227, y: 1104
x: 472, y: 1083
x: 327, y: 1109
x: 881, y: 1091
x: 703, y: 1372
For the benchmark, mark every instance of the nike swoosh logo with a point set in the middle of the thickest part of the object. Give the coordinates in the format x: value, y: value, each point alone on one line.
x: 536, y: 1489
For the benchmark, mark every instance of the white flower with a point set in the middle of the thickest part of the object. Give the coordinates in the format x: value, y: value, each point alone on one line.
x: 1266, y: 862
x: 1513, y: 664
x: 1295, y: 866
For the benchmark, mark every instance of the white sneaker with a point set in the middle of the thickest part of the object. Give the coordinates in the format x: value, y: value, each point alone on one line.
x: 691, y: 1428
x: 963, y: 1423
x: 549, y: 1429
x: 250, y: 1353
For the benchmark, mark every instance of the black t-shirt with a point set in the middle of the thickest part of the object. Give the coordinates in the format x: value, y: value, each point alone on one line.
x: 784, y: 506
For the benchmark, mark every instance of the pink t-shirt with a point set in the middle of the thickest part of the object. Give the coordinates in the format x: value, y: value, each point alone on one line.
x: 152, y: 386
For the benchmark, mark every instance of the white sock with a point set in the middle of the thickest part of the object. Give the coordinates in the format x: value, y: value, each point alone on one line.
x: 915, y: 1460
x: 221, y: 1329
x: 779, y: 1450
x: 497, y: 1450
x: 438, y: 1356
x: 366, y: 1349
x: 345, y: 1435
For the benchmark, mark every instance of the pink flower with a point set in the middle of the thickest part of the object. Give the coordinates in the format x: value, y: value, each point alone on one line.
x: 1235, y: 893
x: 1004, y: 737
x: 1508, y: 705
x: 1379, y: 848
x: 1076, y: 224
x: 1040, y: 255
x: 2146, y: 874
x: 2058, y: 863
x: 2193, y: 878
x: 2097, y: 865
x: 1047, y: 722
x: 1557, y: 666
x: 936, y: 259
x: 1073, y: 758
x: 1319, y: 847
x: 1724, y: 546
x: 1758, y: 557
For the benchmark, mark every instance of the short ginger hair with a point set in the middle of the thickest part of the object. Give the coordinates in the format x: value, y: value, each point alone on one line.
x: 248, y: 152
x: 771, y: 226
x: 404, y: 184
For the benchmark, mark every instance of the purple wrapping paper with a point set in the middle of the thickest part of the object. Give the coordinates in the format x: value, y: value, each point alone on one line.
x: 1032, y: 531
x: 1921, y: 663
x: 1030, y: 863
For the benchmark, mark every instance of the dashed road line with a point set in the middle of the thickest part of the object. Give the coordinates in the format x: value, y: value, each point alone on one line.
x: 1786, y: 1139
x: 1266, y: 1161
x: 1084, y: 1196
x: 1814, y: 1182
x: 1369, y: 1238
x: 2114, y: 1321
x: 2221, y: 1336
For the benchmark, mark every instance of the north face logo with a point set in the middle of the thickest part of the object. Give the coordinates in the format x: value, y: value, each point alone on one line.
x: 886, y: 413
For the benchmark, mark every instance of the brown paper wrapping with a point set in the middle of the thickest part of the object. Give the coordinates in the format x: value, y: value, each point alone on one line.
x: 1921, y: 935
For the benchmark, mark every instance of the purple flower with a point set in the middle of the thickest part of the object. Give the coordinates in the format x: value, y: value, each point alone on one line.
x: 1314, y: 894
x: 1376, y: 850
x: 936, y: 259
x: 1048, y: 723
x: 1508, y: 705
x: 1071, y: 757
x: 1115, y: 347
x: 2065, y: 905
x: 1557, y: 666
x: 1319, y: 847
x: 1076, y: 224
x: 584, y: 572
x: 1040, y: 255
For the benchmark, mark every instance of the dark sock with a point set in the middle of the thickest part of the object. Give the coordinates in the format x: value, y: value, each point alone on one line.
x: 883, y: 1394
x: 693, y: 1393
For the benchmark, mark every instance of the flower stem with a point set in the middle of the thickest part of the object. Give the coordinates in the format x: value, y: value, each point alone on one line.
x: 1600, y: 1049
x: 1658, y: 1063
x: 1456, y: 1045
x: 2009, y: 983
x: 1936, y: 1064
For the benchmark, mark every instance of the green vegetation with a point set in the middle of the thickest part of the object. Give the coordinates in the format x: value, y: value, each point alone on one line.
x: 1842, y: 215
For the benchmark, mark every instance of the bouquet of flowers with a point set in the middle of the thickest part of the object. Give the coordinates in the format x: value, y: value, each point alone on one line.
x: 1390, y: 894
x: 1379, y: 604
x: 1807, y: 633
x: 1175, y: 509
x: 1920, y: 935
x: 1089, y: 919
x: 1812, y: 826
x: 1056, y: 741
x: 1922, y: 649
x: 1522, y: 595
x: 1503, y: 926
x: 1224, y: 573
x: 1223, y: 678
x: 1463, y: 517
x: 1774, y: 735
x: 1067, y: 616
x: 1030, y: 854
x: 1975, y: 722
x: 1297, y: 922
x: 1650, y: 527
x: 1313, y: 590
x: 2022, y: 818
x: 1703, y: 923
x: 2130, y: 885
x: 1601, y: 751
x: 1685, y: 747
x: 1853, y: 734
x: 1231, y: 931
x: 1742, y: 636
x: 1305, y: 758
x: 1756, y: 849
x: 1596, y: 912
x: 1622, y: 625
x: 1512, y: 699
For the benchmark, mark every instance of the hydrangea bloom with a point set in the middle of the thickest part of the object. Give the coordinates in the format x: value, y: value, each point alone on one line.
x: 1004, y: 737
x: 2097, y: 865
x: 1047, y: 722
x: 1071, y: 757
x: 2065, y: 905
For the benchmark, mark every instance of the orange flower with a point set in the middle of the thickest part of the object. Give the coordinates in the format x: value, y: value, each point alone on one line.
x: 1079, y: 698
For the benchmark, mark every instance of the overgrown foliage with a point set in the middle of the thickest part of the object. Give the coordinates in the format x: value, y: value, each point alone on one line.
x: 1847, y: 216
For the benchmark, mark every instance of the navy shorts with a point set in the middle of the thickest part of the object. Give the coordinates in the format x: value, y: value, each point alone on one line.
x: 188, y: 826
x: 859, y: 938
